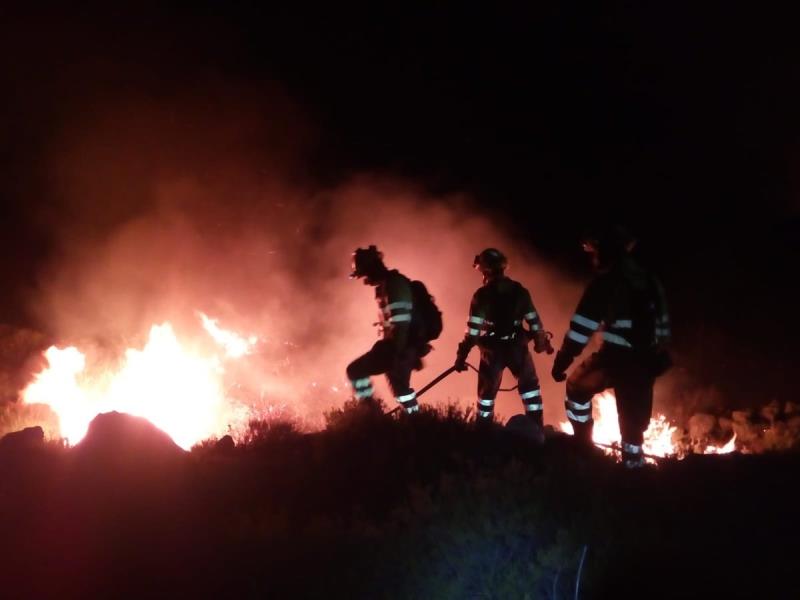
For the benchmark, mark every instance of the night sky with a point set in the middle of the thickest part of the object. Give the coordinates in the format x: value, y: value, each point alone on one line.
x: 681, y: 121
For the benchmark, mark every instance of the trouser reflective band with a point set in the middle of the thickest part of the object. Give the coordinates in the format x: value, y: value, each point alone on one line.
x: 580, y: 412
x: 409, y: 401
x: 531, y: 406
x: 485, y: 407
x: 631, y: 448
x: 362, y: 387
x: 578, y: 418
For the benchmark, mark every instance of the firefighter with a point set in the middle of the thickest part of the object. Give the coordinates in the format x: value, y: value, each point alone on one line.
x: 626, y: 304
x: 495, y: 324
x: 398, y: 352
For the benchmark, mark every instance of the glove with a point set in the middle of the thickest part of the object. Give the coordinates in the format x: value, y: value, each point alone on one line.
x: 461, y: 356
x: 560, y: 366
x: 541, y: 342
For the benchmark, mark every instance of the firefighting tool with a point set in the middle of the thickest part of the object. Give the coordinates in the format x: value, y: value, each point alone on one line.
x: 442, y: 376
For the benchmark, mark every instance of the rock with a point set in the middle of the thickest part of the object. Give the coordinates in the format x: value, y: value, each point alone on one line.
x: 30, y: 437
x: 124, y: 436
x: 525, y: 427
x: 225, y: 444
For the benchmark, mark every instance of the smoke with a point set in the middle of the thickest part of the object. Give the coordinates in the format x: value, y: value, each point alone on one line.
x: 161, y: 210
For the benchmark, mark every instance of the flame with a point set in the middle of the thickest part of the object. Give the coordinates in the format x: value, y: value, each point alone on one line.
x: 660, y: 438
x: 235, y: 345
x: 726, y: 449
x: 178, y: 390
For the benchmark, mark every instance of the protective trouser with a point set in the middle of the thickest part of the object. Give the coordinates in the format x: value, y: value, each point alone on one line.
x: 630, y: 374
x: 382, y: 358
x: 498, y: 355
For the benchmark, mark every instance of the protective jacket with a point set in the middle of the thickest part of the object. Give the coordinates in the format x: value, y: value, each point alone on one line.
x: 627, y: 306
x: 495, y: 324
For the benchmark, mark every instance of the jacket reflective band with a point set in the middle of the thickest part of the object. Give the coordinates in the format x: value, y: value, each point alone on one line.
x: 530, y: 316
x: 412, y: 409
x: 489, y: 403
x: 400, y: 318
x: 473, y: 331
x: 531, y: 394
x: 622, y: 324
x: 577, y: 406
x: 662, y: 331
x: 407, y: 397
x: 476, y: 320
x: 535, y: 327
x: 578, y: 418
x: 631, y: 448
x: 484, y: 413
x: 360, y: 383
x: 364, y: 393
x: 583, y: 321
x: 613, y: 338
x: 533, y: 407
x: 398, y: 305
x: 577, y: 337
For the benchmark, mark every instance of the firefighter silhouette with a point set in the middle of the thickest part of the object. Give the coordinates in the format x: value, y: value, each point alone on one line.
x: 626, y: 304
x: 495, y: 324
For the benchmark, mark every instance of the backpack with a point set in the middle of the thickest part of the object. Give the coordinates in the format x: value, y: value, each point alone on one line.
x: 427, y: 318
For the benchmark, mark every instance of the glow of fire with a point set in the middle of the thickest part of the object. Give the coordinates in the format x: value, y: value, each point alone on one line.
x: 181, y: 392
x: 659, y: 438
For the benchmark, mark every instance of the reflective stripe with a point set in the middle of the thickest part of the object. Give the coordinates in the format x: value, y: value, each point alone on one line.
x: 396, y: 305
x: 407, y: 397
x: 517, y: 323
x: 476, y: 320
x: 530, y: 316
x: 577, y: 406
x: 588, y: 323
x: 365, y: 393
x: 613, y: 338
x: 483, y: 402
x: 531, y: 394
x: 510, y: 336
x: 631, y: 448
x: 622, y: 324
x: 485, y: 413
x: 660, y: 331
x: 578, y: 418
x: 535, y: 327
x: 399, y: 318
x: 360, y: 383
x: 575, y: 336
x: 533, y: 407
x: 473, y: 331
x: 412, y: 409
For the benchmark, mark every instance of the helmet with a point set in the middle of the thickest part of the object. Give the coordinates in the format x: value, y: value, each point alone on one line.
x: 490, y: 262
x: 366, y: 262
x: 609, y: 244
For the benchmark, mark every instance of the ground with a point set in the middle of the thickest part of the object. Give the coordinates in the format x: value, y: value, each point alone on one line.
x: 385, y: 507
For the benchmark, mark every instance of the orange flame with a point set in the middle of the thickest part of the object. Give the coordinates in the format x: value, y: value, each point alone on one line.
x: 235, y: 345
x: 179, y: 391
x: 659, y: 438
